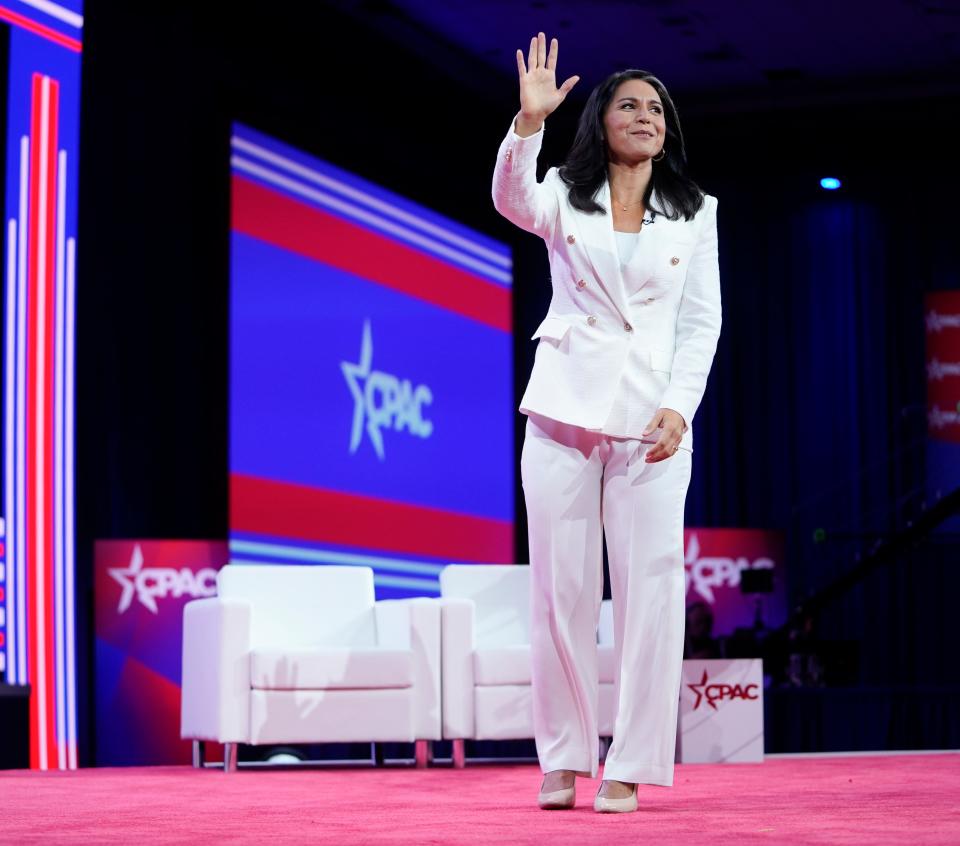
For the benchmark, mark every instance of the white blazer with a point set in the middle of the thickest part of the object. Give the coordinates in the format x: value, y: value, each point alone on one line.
x: 667, y: 331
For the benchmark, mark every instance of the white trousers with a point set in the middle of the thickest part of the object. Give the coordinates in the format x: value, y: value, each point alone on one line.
x: 578, y: 486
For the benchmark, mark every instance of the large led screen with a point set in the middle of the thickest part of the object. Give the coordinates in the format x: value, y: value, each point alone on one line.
x: 371, y: 396
x: 41, y: 44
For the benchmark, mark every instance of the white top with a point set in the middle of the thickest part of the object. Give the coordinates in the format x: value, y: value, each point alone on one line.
x: 626, y: 244
x: 629, y: 412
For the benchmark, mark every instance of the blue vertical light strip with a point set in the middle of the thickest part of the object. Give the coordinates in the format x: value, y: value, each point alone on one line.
x: 45, y: 41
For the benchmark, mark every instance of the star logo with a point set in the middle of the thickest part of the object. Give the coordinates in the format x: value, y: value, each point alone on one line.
x: 690, y: 559
x: 706, y: 573
x: 699, y: 690
x: 127, y: 579
x: 383, y: 401
x: 356, y: 376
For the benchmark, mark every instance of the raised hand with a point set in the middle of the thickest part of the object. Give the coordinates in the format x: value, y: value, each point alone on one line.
x: 539, y: 95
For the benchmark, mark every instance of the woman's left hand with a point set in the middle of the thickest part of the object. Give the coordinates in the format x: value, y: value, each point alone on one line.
x: 673, y: 429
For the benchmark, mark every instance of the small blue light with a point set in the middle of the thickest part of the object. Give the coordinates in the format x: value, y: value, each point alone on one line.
x: 831, y: 183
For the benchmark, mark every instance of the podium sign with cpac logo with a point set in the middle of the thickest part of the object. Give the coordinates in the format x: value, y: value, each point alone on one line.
x: 141, y: 587
x: 721, y: 712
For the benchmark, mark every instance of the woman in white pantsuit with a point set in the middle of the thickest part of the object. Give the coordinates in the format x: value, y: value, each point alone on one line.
x: 621, y: 366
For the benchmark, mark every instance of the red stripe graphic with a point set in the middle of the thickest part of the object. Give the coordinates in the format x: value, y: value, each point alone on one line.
x: 308, y: 231
x: 39, y: 29
x: 264, y: 506
x: 41, y: 349
x: 48, y: 423
x: 33, y: 614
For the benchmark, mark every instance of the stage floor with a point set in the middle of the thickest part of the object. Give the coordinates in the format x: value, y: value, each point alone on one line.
x: 883, y: 799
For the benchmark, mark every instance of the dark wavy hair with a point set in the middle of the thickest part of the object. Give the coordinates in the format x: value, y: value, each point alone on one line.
x: 585, y: 168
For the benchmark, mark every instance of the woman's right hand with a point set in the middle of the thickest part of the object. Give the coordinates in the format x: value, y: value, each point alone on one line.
x: 539, y: 95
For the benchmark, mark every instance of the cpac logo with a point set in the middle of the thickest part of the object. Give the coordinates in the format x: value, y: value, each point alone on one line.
x: 936, y: 369
x: 705, y: 574
x: 936, y: 322
x: 940, y: 418
x: 714, y: 693
x: 383, y: 400
x: 153, y: 583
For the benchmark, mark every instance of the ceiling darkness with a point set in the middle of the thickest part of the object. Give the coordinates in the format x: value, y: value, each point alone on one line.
x: 755, y: 54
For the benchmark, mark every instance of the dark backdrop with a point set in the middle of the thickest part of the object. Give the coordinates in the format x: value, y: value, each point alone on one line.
x: 814, y: 413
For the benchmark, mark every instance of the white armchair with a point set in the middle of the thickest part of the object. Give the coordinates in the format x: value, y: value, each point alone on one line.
x: 485, y: 646
x: 303, y: 654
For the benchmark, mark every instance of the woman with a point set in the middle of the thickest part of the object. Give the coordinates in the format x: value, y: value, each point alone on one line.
x: 621, y: 366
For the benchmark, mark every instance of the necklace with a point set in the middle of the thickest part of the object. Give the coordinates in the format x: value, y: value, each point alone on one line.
x: 624, y: 207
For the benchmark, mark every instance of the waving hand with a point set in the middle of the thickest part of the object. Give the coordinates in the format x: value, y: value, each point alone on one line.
x: 539, y: 95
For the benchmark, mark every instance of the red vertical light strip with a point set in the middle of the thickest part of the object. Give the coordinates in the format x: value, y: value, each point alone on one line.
x: 49, y: 282
x: 29, y: 538
x: 41, y: 349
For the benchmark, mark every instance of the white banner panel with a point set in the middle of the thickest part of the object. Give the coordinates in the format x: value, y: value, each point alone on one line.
x: 721, y: 711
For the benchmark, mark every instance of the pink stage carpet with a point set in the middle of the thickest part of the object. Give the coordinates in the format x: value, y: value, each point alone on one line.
x: 904, y: 799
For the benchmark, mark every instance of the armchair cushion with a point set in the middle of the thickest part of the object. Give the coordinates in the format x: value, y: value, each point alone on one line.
x: 502, y: 665
x: 330, y: 668
x: 511, y: 665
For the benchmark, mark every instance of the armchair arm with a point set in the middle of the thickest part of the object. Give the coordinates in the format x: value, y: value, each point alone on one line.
x: 456, y: 638
x: 393, y: 623
x: 415, y: 624
x: 215, y: 699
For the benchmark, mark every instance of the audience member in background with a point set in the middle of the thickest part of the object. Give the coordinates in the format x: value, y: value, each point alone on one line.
x: 699, y: 641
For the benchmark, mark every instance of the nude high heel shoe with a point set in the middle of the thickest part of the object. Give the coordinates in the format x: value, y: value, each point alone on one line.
x: 603, y: 805
x: 558, y: 800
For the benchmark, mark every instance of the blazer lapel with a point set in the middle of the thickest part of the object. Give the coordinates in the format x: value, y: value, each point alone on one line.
x: 664, y: 241
x: 596, y: 232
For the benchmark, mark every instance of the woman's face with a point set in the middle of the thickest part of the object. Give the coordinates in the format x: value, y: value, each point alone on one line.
x: 633, y: 124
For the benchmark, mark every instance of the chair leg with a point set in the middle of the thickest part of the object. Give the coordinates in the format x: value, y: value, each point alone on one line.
x: 459, y: 755
x: 198, y: 754
x: 423, y: 753
x: 229, y: 757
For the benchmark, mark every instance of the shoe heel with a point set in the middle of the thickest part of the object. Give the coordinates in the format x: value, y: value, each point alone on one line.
x: 604, y: 805
x: 558, y: 800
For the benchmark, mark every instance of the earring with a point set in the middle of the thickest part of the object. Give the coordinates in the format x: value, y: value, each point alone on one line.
x: 663, y: 152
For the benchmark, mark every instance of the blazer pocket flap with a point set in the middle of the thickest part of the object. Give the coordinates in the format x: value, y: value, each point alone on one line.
x: 553, y: 328
x: 661, y: 360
